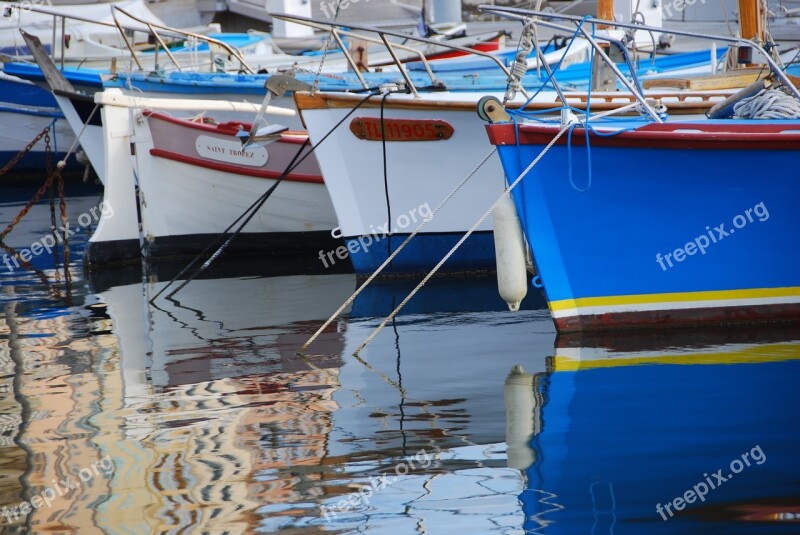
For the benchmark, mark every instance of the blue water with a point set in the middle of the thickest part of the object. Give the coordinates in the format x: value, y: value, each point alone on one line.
x: 195, y: 414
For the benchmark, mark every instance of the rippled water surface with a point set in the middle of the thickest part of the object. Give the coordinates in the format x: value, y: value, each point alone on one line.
x: 195, y: 414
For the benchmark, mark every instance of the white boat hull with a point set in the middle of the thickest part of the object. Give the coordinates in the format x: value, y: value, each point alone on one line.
x: 194, y: 181
x: 419, y: 176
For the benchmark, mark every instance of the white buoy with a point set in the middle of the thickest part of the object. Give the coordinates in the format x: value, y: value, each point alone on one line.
x: 522, y: 418
x: 509, y: 246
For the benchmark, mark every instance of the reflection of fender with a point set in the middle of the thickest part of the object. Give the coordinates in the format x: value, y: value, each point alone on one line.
x: 525, y: 397
x: 521, y: 423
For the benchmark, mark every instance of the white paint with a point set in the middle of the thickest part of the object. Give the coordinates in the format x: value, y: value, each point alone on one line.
x: 119, y: 193
x: 418, y: 172
x: 230, y: 151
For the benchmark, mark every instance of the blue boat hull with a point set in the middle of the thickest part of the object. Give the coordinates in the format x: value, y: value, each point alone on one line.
x: 422, y: 253
x: 661, y: 228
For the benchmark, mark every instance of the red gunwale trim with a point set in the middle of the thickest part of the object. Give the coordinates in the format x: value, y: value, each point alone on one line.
x: 220, y: 166
x: 230, y: 128
x: 662, y: 136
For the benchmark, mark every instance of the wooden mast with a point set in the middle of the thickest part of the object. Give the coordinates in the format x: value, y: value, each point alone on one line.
x: 750, y: 20
x: 605, y: 10
x: 603, y: 79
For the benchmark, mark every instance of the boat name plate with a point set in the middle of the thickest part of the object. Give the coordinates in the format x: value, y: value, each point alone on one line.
x: 230, y: 151
x: 369, y: 129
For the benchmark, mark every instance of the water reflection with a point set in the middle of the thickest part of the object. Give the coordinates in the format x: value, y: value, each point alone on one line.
x: 617, y: 427
x: 213, y: 424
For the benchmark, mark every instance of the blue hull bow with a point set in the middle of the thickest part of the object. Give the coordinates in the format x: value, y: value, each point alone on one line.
x: 646, y: 224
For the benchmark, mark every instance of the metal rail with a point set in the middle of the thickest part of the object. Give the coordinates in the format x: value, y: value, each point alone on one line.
x: 210, y: 40
x: 345, y: 29
x: 351, y: 62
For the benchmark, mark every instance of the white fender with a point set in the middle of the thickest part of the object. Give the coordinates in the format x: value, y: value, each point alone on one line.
x: 509, y: 245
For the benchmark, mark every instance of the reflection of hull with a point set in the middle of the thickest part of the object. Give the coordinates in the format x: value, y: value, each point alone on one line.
x: 619, y: 437
x: 193, y: 337
x: 214, y: 398
x: 398, y: 379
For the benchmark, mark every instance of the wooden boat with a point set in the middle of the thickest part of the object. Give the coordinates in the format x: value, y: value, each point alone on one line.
x: 194, y: 178
x: 412, y: 168
x: 652, y: 222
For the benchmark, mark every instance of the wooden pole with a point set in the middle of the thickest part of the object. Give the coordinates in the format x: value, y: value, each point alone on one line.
x: 605, y: 10
x: 750, y: 18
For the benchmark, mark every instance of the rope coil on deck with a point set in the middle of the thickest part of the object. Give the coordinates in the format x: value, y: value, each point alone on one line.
x: 773, y: 103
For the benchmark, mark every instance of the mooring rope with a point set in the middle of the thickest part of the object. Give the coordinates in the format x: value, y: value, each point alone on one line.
x: 486, y: 214
x: 252, y: 209
x: 395, y: 253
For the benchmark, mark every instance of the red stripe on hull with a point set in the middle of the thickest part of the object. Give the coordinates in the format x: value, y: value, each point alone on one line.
x: 619, y: 321
x: 229, y: 128
x: 667, y: 136
x: 219, y: 166
x: 490, y: 46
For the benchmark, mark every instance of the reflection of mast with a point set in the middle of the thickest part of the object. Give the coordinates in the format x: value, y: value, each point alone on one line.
x: 524, y: 403
x: 15, y: 353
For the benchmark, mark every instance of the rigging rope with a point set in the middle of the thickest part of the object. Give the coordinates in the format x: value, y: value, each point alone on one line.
x: 450, y: 253
x: 395, y: 253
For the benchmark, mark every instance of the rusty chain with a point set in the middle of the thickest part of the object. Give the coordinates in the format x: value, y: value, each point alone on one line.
x: 53, y: 177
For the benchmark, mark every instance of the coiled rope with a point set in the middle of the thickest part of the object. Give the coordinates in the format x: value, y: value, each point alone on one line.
x: 768, y: 104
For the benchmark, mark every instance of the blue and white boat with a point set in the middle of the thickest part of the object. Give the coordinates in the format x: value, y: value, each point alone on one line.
x: 30, y: 109
x: 89, y: 40
x: 650, y: 222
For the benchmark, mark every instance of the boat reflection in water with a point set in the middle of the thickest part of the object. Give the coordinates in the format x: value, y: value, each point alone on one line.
x: 228, y: 428
x: 618, y: 428
x: 213, y: 424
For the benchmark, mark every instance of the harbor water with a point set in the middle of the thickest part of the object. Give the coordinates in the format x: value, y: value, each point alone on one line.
x: 120, y: 413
